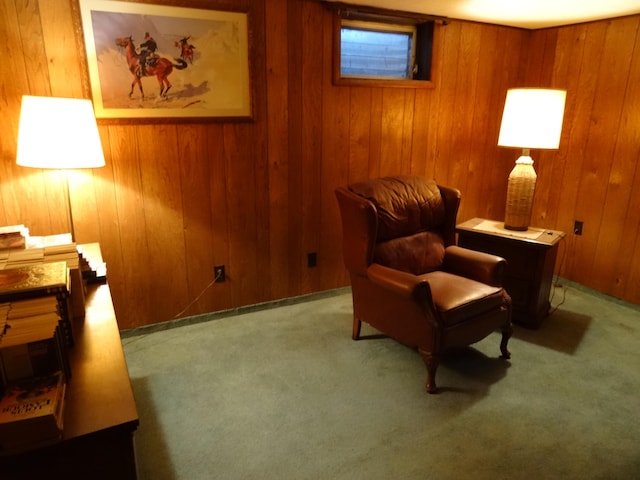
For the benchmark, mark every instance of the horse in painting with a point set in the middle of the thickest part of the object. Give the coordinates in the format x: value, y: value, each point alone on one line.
x: 162, y: 67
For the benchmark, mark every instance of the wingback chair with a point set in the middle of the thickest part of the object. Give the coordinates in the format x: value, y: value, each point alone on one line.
x: 409, y: 280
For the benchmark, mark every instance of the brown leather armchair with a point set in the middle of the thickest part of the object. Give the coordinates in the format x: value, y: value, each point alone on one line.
x: 409, y: 280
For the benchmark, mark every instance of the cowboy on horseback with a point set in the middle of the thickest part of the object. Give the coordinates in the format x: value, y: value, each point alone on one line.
x: 161, y: 68
x: 148, y: 55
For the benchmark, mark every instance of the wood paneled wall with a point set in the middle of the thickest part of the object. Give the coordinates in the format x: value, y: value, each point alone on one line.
x: 176, y: 199
x: 595, y: 175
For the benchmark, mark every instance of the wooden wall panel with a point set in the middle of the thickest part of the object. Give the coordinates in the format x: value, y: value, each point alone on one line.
x: 420, y: 135
x: 176, y: 199
x: 132, y: 295
x: 359, y: 133
x: 465, y: 99
x: 243, y: 195
x: 552, y: 169
x: 618, y: 175
x: 601, y: 134
x: 478, y: 175
x: 311, y: 65
x: 61, y: 48
x: 392, y: 135
x: 334, y: 171
x: 194, y: 173
x: 106, y: 195
x: 219, y: 296
x: 592, y: 176
x: 278, y: 99
x: 623, y: 272
x: 443, y: 119
x: 34, y: 60
x: 375, y: 135
x: 163, y: 225
x: 574, y: 44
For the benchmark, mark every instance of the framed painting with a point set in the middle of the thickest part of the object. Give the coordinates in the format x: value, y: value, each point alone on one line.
x: 153, y: 61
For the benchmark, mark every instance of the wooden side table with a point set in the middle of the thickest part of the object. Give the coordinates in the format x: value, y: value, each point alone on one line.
x: 531, y: 258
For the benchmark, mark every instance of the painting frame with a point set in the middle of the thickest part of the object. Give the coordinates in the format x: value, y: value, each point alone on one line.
x: 207, y: 49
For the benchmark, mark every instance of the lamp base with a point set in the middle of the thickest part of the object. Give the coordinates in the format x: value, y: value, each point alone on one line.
x: 520, y: 190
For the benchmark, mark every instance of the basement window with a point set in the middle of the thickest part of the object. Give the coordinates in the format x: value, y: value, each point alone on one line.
x: 376, y: 47
x: 377, y: 50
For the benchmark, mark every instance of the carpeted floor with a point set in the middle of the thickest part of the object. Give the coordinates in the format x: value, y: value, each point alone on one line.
x: 284, y: 393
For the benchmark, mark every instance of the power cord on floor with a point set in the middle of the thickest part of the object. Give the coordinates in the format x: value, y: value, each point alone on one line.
x: 556, y: 283
x: 200, y: 295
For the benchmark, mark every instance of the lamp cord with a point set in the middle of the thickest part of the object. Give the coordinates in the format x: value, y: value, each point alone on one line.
x: 199, y: 296
x: 556, y: 282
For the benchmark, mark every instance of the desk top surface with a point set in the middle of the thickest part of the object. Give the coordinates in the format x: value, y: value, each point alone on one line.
x: 99, y: 394
x: 535, y: 235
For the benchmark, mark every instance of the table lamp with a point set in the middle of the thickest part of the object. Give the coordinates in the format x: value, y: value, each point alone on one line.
x: 532, y: 118
x: 58, y: 133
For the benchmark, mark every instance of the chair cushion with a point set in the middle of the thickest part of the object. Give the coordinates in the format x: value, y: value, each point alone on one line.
x: 459, y: 298
x: 417, y: 254
x: 405, y: 205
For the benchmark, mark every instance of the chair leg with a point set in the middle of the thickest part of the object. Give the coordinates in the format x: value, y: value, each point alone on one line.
x: 506, y: 335
x: 432, y: 361
x: 356, y: 328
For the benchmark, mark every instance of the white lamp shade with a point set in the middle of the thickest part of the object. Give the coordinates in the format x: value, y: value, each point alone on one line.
x: 58, y: 133
x: 532, y: 118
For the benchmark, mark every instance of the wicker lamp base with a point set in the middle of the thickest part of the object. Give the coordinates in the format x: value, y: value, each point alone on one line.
x: 520, y: 191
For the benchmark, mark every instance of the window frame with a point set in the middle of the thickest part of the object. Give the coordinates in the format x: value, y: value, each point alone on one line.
x: 370, y: 15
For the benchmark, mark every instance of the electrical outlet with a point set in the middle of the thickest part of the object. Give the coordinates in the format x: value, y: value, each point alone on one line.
x: 219, y: 274
x: 577, y: 227
x: 312, y: 259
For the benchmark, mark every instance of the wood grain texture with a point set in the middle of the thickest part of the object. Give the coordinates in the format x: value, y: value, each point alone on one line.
x: 176, y: 199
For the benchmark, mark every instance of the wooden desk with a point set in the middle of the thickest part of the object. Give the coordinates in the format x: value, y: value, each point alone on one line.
x: 100, y: 414
x: 531, y: 258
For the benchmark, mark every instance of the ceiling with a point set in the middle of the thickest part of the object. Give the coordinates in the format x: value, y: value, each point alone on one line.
x: 516, y: 13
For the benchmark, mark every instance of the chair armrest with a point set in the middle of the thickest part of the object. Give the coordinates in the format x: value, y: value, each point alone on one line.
x: 402, y: 283
x: 479, y: 266
x: 407, y: 286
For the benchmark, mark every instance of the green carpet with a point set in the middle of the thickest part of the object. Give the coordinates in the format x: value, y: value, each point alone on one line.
x: 284, y: 393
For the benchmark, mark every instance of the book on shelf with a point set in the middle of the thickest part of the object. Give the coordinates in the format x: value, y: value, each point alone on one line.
x: 40, y: 280
x: 32, y: 345
x: 34, y: 280
x: 32, y: 413
x: 32, y: 306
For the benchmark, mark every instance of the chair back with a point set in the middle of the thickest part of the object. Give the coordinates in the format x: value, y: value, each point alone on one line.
x: 403, y: 222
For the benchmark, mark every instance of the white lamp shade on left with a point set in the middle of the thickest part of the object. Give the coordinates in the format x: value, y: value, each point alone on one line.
x: 58, y: 133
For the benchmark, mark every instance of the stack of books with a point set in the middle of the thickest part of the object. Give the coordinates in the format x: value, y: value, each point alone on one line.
x: 48, y: 249
x: 35, y: 337
x: 39, y: 280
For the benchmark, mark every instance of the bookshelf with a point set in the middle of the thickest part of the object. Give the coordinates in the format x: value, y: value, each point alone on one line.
x: 100, y: 415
